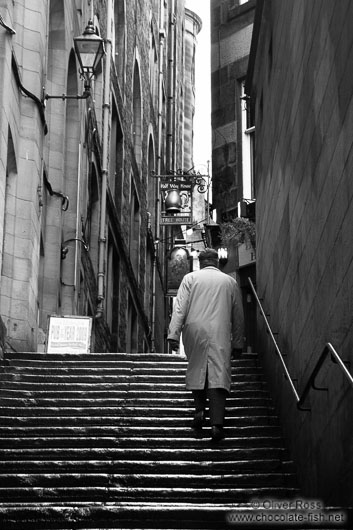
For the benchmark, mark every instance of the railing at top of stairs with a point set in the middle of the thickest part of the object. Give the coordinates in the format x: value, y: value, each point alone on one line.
x: 311, y: 381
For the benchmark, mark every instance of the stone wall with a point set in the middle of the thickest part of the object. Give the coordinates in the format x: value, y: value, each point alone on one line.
x: 304, y: 161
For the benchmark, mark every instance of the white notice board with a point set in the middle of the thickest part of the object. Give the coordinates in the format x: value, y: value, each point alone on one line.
x: 69, y: 334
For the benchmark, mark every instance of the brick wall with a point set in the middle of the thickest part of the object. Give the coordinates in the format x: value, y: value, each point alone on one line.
x: 304, y: 164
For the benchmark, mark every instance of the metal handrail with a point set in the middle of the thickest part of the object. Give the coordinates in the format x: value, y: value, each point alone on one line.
x: 311, y: 381
x: 286, y: 373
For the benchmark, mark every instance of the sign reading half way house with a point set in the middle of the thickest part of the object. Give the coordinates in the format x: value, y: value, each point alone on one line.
x: 69, y: 334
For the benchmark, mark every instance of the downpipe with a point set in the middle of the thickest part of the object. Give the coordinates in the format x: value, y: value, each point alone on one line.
x: 103, y: 211
x: 159, y: 158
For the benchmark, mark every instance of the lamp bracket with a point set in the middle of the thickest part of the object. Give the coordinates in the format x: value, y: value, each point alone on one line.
x: 85, y: 95
x: 65, y: 249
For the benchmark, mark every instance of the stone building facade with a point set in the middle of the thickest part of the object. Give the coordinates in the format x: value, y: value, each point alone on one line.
x: 231, y: 31
x: 79, y: 209
x: 302, y: 91
x: 232, y: 139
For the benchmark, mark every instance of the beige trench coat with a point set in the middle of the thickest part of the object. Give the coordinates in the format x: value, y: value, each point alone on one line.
x: 208, y: 312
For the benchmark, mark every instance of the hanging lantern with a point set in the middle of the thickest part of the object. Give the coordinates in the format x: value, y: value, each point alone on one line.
x: 173, y: 202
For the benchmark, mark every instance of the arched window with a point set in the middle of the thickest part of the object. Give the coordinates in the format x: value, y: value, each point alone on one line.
x: 137, y: 115
x: 71, y: 188
x: 151, y: 182
x: 135, y: 223
x: 8, y: 224
x: 118, y: 45
x: 153, y: 66
x: 56, y: 43
x: 92, y: 233
x: 116, y: 158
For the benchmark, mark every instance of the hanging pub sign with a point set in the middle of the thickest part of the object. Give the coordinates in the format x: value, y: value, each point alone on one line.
x: 179, y: 264
x: 176, y: 200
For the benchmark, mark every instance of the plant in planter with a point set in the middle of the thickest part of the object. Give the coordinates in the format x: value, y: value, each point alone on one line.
x: 238, y: 231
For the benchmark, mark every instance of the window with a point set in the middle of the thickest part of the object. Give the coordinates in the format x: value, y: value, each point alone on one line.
x: 134, y: 230
x: 119, y: 39
x: 116, y: 159
x: 112, y: 292
x: 153, y: 66
x: 131, y: 345
x: 248, y: 134
x: 93, y: 217
x: 137, y: 115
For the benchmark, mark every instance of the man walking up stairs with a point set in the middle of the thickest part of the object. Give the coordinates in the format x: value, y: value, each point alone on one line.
x: 105, y: 441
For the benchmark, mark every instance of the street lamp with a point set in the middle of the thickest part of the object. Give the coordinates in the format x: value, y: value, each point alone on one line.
x: 89, y: 49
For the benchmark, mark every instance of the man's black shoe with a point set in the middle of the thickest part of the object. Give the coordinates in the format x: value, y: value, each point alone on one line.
x: 217, y: 433
x: 199, y: 419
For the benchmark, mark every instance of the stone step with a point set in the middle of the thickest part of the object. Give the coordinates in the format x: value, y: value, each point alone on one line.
x: 151, y: 402
x: 101, y: 378
x: 92, y: 395
x: 209, y: 452
x: 124, y: 363
x: 140, y: 516
x: 138, y: 421
x: 145, y: 494
x: 112, y: 369
x: 132, y: 431
x: 165, y: 409
x: 122, y: 411
x: 139, y: 479
x: 147, y: 466
x: 119, y: 386
x: 138, y: 442
x: 77, y: 357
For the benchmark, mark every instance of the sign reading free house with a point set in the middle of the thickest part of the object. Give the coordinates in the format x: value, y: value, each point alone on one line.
x: 69, y: 334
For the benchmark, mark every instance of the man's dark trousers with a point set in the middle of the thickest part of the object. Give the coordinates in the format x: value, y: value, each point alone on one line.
x: 217, y: 402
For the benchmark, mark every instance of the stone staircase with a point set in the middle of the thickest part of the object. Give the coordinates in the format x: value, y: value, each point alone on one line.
x: 104, y: 441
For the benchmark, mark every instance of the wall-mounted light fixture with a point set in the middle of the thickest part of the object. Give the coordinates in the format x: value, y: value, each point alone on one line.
x: 222, y: 254
x: 89, y: 49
